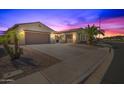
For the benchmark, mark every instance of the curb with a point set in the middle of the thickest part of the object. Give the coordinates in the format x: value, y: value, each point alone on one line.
x: 89, y: 71
x: 96, y: 76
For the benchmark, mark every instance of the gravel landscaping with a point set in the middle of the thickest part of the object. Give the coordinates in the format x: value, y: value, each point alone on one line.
x: 30, y: 62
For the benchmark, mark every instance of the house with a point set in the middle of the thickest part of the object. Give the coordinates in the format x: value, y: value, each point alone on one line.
x: 70, y: 36
x: 118, y: 37
x: 38, y: 33
x: 32, y: 33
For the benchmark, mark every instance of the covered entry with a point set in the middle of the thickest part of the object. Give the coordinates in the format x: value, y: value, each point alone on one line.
x: 69, y: 38
x: 37, y: 37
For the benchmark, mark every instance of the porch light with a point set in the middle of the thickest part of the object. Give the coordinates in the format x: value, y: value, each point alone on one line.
x: 74, y: 37
x: 21, y: 34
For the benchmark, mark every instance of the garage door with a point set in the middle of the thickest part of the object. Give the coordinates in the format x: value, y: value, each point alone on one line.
x: 37, y: 38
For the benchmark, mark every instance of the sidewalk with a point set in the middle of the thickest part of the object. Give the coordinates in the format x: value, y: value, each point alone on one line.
x: 73, y: 70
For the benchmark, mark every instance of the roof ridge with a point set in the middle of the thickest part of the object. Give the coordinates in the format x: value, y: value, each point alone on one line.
x: 28, y: 23
x: 35, y: 22
x: 46, y: 26
x: 71, y: 29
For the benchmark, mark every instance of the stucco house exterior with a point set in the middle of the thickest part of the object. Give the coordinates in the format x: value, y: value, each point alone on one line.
x: 32, y: 33
x: 38, y: 33
x: 70, y: 36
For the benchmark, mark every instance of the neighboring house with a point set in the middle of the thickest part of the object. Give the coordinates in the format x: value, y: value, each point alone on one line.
x: 70, y: 36
x: 32, y: 33
x: 119, y: 37
x: 2, y: 32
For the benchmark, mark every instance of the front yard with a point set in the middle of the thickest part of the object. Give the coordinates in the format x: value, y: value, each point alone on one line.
x: 30, y: 62
x: 60, y: 63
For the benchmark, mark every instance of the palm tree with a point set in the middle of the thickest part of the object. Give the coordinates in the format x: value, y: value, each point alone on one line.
x: 92, y: 32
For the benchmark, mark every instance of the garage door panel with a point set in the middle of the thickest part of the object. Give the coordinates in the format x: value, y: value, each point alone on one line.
x: 37, y: 38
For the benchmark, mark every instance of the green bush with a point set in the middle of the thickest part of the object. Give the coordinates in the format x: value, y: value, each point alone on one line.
x: 13, y: 51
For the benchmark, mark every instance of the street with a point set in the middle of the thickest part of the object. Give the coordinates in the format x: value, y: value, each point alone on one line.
x: 115, y: 73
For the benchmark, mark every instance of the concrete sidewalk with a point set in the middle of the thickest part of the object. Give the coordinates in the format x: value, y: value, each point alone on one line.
x: 72, y: 70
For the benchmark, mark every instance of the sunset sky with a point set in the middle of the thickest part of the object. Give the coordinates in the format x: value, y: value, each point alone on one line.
x: 112, y: 21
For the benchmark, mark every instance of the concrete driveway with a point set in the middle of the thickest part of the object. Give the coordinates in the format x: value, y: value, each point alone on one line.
x: 78, y: 62
x: 63, y: 51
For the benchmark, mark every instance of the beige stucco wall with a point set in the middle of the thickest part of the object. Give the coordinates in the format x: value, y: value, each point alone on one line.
x: 75, y: 37
x: 63, y: 37
x: 52, y: 38
x: 21, y: 35
x: 35, y: 27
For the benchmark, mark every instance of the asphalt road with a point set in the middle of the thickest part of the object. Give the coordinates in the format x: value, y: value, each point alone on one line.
x: 115, y: 73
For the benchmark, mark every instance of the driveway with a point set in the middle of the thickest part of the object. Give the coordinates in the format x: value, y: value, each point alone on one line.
x: 78, y: 62
x: 63, y: 51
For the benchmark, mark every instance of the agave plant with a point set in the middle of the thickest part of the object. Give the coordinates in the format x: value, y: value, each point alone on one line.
x: 92, y: 32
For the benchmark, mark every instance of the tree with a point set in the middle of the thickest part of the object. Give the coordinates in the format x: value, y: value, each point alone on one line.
x: 14, y: 51
x: 92, y: 32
